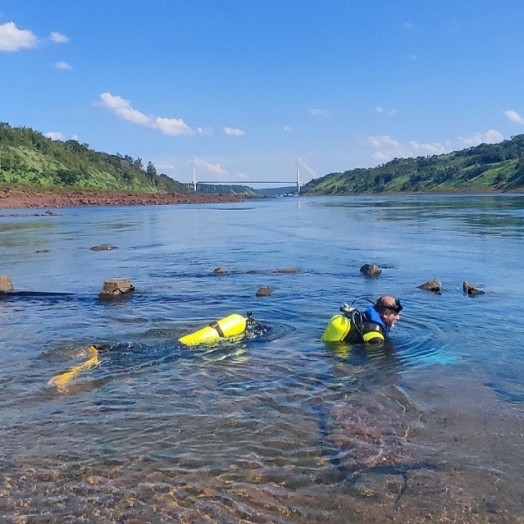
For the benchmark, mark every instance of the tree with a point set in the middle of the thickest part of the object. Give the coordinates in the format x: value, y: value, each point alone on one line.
x: 151, y: 171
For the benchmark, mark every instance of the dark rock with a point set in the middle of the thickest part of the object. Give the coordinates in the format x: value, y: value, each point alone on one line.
x: 5, y: 284
x: 103, y: 247
x: 219, y: 271
x: 370, y: 270
x: 264, y: 291
x: 116, y: 288
x: 434, y: 286
x: 288, y: 270
x: 471, y: 290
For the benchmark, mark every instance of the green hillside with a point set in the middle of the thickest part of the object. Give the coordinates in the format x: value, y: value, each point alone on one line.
x: 29, y: 160
x: 487, y: 167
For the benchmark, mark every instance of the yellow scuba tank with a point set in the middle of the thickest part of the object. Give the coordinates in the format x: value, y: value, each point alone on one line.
x: 339, y: 326
x: 337, y: 329
x: 231, y: 326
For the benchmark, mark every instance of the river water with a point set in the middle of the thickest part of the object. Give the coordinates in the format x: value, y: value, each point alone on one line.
x: 279, y: 429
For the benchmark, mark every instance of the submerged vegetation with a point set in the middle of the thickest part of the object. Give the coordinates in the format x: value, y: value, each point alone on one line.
x: 484, y: 168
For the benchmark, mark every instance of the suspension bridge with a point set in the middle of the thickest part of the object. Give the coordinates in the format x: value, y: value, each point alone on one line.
x: 300, y: 163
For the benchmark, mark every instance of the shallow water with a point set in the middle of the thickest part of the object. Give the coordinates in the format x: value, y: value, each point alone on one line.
x: 278, y: 429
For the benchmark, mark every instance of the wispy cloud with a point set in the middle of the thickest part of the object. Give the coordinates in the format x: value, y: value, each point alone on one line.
x: 55, y: 135
x: 204, y: 131
x: 171, y: 126
x: 233, y: 132
x: 63, y: 65
x: 318, y: 112
x: 213, y: 168
x: 58, y: 38
x: 288, y: 129
x: 489, y: 137
x: 382, y: 111
x: 123, y: 108
x: 514, y: 116
x: 386, y: 148
x: 14, y: 39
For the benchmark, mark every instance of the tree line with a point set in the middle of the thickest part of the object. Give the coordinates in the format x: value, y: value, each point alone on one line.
x: 486, y: 167
x: 31, y: 160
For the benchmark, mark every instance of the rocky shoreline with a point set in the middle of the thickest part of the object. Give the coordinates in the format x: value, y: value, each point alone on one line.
x: 21, y: 199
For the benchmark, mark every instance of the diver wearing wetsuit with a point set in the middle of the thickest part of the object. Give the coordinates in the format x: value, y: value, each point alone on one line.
x: 376, y: 321
x: 370, y: 327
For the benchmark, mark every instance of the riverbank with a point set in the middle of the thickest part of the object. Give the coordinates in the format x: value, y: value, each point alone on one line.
x: 21, y: 199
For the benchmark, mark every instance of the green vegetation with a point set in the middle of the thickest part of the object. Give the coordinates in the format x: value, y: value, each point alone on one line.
x: 493, y: 167
x: 30, y: 160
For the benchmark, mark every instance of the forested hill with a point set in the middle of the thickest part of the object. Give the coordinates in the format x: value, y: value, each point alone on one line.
x: 487, y: 167
x: 30, y: 160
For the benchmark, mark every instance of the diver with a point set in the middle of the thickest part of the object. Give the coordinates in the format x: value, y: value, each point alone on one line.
x: 232, y: 328
x: 370, y: 327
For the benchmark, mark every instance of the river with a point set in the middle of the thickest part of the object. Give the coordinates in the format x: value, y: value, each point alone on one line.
x: 278, y: 429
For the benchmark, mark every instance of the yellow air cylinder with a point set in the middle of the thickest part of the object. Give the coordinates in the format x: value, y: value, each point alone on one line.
x: 337, y: 329
x: 230, y: 326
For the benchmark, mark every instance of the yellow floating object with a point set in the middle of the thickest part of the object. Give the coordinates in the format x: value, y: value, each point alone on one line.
x: 226, y: 328
x: 61, y: 381
x: 337, y: 329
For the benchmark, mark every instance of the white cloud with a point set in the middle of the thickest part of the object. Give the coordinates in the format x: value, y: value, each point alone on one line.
x: 213, y: 168
x: 489, y: 137
x: 204, y: 131
x: 514, y: 116
x: 386, y: 148
x: 170, y: 167
x: 388, y: 112
x: 172, y: 126
x: 288, y: 129
x: 233, y: 132
x: 14, y: 39
x: 318, y: 112
x: 58, y: 38
x: 242, y: 176
x: 63, y: 65
x: 123, y: 109
x: 55, y: 135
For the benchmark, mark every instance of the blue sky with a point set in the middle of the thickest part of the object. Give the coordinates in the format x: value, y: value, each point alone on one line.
x: 240, y: 89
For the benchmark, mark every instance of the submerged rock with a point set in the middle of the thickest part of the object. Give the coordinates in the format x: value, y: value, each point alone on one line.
x: 471, y: 290
x: 219, y: 271
x: 435, y: 286
x: 116, y: 288
x: 5, y: 284
x: 370, y: 270
x: 287, y: 270
x: 104, y: 247
x: 264, y: 291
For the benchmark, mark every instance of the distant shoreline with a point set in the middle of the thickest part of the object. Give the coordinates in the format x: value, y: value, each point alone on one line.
x: 23, y: 199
